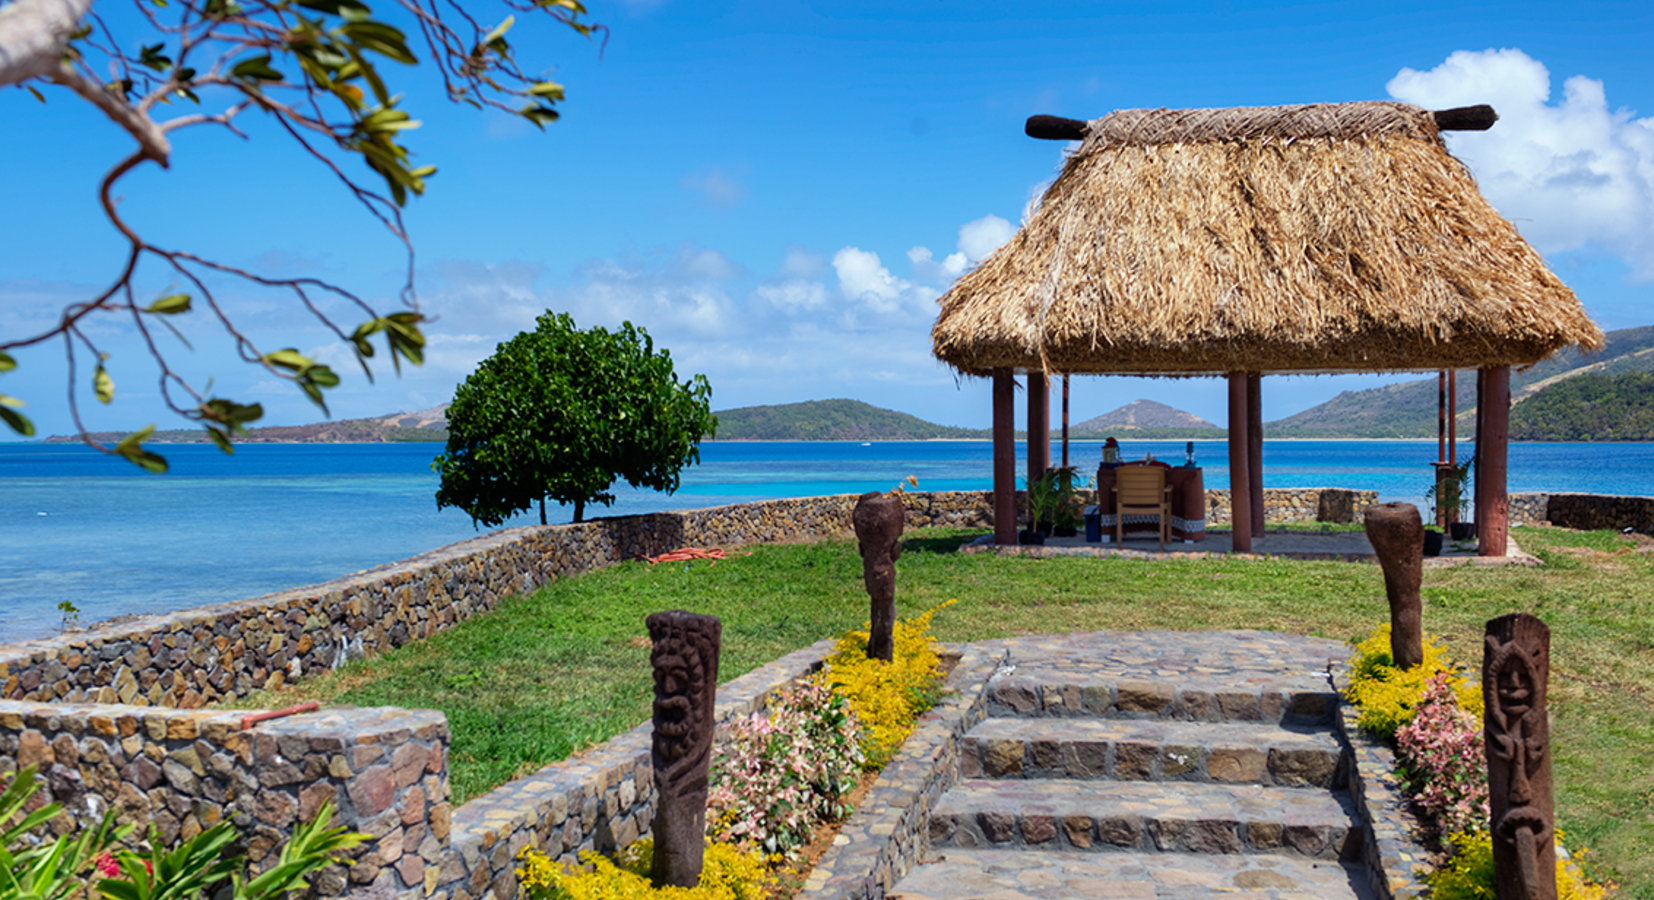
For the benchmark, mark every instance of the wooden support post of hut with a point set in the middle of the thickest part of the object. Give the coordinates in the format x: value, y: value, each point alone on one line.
x: 1254, y: 449
x: 1005, y: 458
x: 1039, y: 427
x: 1240, y: 491
x: 1492, y: 446
x: 1157, y: 252
x: 1065, y: 421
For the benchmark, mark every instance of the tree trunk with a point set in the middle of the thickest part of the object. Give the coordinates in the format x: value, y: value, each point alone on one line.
x: 579, y: 511
x: 543, y: 511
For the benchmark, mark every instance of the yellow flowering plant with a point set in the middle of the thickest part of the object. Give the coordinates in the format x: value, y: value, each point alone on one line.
x: 1389, y: 697
x: 887, y: 697
x: 726, y: 874
x: 1469, y: 874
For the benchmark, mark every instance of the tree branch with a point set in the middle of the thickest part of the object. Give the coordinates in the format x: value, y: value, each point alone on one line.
x: 34, y: 34
x: 142, y: 128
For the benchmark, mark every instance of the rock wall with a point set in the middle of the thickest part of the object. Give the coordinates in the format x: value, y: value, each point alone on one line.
x: 1528, y: 509
x: 1586, y: 512
x: 1296, y: 505
x: 384, y: 769
x: 183, y: 771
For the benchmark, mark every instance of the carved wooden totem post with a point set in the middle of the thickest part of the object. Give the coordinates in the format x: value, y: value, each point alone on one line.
x: 685, y: 658
x: 1397, y: 536
x: 1516, y: 666
x: 879, y: 520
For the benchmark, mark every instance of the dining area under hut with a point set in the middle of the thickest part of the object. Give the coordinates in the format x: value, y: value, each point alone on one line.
x: 1234, y: 243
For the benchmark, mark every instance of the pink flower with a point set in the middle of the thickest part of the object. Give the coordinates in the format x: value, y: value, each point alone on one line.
x: 107, y: 866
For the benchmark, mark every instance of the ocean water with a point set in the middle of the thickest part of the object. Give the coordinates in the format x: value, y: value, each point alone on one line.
x: 81, y: 527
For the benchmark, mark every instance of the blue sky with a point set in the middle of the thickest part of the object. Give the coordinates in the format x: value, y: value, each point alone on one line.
x: 777, y: 191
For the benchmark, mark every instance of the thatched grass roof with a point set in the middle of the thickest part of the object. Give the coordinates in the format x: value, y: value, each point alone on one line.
x: 1319, y: 238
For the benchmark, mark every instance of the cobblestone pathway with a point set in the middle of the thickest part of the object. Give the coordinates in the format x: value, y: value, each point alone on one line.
x: 1153, y: 765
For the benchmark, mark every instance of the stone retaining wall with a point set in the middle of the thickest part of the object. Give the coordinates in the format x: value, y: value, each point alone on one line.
x: 1587, y: 512
x: 1296, y: 505
x: 182, y: 771
x: 385, y: 770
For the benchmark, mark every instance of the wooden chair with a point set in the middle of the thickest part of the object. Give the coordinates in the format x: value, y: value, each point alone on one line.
x: 1142, y: 490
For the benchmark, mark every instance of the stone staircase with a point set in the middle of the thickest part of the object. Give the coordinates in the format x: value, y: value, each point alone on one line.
x: 1176, y: 765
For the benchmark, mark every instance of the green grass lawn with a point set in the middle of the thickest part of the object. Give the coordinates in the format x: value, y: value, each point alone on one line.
x: 566, y: 667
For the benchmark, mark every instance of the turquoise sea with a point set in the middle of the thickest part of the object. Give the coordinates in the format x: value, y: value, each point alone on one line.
x: 78, y: 526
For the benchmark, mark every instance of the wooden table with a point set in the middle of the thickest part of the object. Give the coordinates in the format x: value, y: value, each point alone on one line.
x: 1188, y: 504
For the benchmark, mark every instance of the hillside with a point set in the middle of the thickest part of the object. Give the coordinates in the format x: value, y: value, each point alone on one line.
x: 831, y: 420
x: 1409, y: 409
x: 1590, y: 407
x: 406, y: 427
x: 1143, y: 416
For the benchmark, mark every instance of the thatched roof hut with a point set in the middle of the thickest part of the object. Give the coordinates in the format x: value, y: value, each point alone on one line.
x: 1316, y: 238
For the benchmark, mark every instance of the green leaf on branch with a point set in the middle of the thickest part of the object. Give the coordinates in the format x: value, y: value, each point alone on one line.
x: 380, y: 38
x: 103, y: 385
x: 256, y: 69
x: 170, y: 306
x: 498, y: 34
x: 6, y: 362
x: 232, y: 415
x: 221, y: 440
x: 152, y: 57
x: 541, y: 116
x: 336, y: 7
x: 288, y: 358
x: 547, y: 89
x: 131, y: 449
x: 16, y: 421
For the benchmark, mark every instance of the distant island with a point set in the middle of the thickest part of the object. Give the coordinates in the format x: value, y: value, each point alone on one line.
x: 1569, y: 397
x: 407, y: 427
x: 833, y: 420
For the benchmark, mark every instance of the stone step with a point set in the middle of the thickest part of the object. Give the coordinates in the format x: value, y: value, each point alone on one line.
x: 1175, y: 816
x: 1307, y: 698
x: 960, y: 874
x: 1154, y: 750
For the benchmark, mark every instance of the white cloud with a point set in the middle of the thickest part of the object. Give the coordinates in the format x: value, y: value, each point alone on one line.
x: 1570, y: 174
x: 720, y: 190
x: 794, y: 294
x: 928, y: 269
x: 796, y: 287
x: 863, y: 278
x: 979, y: 238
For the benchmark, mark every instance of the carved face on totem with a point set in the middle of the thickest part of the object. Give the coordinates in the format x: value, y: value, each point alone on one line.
x: 1517, y: 733
x: 685, y: 659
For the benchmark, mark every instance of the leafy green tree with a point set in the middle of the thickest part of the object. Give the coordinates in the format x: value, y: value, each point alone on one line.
x: 318, y: 69
x: 561, y: 413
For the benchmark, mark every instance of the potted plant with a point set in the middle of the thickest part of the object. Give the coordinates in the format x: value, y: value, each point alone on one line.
x: 1042, y: 501
x: 1066, y: 517
x: 1447, y: 498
